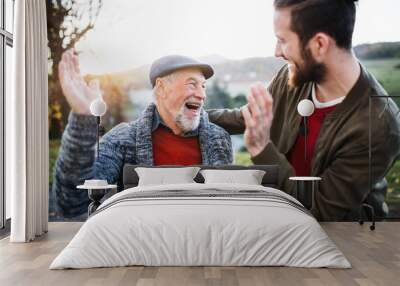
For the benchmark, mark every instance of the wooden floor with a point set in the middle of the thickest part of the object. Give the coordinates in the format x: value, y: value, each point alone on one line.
x: 374, y: 255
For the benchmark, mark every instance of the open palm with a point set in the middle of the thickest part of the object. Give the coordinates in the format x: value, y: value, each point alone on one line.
x: 78, y: 93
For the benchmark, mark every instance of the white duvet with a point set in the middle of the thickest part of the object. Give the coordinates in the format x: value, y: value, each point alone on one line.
x: 207, y: 230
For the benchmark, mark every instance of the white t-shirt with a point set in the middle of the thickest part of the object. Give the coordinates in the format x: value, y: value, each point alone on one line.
x: 319, y: 104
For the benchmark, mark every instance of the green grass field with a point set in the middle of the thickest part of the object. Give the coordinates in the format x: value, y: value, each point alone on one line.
x: 387, y: 71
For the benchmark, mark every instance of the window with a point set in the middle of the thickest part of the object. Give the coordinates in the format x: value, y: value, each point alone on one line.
x: 9, y: 19
x: 6, y: 43
x: 388, y: 190
x: 386, y: 70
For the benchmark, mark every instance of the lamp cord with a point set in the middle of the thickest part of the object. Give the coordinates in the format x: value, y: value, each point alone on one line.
x: 98, y: 135
x: 305, y: 138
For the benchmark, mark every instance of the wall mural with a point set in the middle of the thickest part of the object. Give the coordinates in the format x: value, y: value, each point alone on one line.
x: 103, y: 50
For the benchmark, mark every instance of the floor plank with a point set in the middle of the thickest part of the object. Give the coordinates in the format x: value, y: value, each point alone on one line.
x: 374, y: 255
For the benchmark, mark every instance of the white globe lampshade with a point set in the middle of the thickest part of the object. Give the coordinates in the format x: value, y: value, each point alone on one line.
x: 98, y: 107
x: 305, y: 107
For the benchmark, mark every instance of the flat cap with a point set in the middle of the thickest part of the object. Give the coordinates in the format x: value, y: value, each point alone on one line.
x: 168, y: 64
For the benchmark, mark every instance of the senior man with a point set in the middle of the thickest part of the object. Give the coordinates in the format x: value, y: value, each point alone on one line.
x: 172, y: 131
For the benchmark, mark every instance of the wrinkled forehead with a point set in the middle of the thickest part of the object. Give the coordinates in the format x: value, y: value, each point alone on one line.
x: 188, y: 74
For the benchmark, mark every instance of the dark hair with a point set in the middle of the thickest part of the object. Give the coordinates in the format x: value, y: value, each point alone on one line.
x: 333, y: 17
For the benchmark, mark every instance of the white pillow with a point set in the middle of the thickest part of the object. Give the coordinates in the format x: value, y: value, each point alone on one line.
x: 165, y: 176
x: 248, y: 177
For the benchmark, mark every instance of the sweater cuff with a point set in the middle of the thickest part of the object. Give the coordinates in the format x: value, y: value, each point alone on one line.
x: 81, y: 121
x: 81, y: 127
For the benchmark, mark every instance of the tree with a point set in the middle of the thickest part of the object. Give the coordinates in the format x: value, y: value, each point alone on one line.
x: 239, y: 100
x: 218, y: 97
x: 67, y: 22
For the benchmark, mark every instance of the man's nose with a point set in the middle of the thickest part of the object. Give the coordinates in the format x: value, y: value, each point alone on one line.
x: 200, y: 93
x: 278, y: 51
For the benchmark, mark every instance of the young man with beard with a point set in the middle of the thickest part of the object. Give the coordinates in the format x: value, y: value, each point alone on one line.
x: 172, y: 131
x: 315, y: 38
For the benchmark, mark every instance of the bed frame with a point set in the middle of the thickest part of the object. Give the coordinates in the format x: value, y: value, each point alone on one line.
x: 131, y: 179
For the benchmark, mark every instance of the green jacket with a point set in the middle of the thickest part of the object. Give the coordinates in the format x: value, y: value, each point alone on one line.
x: 341, y: 154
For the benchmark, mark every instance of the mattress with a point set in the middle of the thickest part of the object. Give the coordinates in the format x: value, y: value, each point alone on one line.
x: 201, y: 225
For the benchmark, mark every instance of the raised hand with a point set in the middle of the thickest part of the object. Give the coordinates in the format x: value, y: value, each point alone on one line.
x: 258, y: 117
x: 78, y: 93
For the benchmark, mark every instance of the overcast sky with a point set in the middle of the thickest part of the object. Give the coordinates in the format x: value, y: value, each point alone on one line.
x: 130, y: 33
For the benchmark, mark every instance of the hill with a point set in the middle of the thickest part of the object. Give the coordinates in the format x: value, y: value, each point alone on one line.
x: 375, y: 51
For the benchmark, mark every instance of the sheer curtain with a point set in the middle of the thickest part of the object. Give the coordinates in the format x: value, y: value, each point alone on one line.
x: 27, y: 124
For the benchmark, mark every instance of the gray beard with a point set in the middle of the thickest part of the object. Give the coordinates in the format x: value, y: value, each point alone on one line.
x: 187, y: 124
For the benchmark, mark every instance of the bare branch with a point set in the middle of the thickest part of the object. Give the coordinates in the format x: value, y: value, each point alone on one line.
x: 78, y: 36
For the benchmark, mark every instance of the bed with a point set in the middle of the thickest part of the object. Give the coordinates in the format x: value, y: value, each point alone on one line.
x: 201, y: 224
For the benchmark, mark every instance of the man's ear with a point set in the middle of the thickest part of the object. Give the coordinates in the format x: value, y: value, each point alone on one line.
x: 319, y: 46
x: 159, y: 87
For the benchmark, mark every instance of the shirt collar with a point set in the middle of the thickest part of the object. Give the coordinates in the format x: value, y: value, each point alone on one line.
x: 157, y: 121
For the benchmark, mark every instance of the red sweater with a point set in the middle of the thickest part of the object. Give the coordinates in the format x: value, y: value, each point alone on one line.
x: 301, y: 165
x: 171, y: 149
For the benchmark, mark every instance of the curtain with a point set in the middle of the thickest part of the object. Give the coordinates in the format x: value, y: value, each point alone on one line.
x: 27, y: 141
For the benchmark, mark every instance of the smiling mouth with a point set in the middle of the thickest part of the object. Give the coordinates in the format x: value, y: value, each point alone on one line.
x: 193, y: 106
